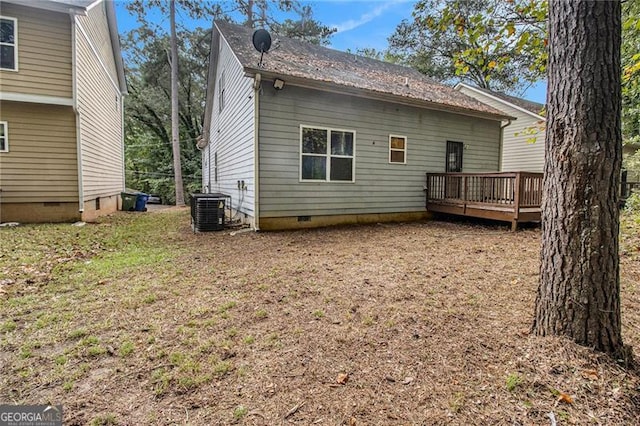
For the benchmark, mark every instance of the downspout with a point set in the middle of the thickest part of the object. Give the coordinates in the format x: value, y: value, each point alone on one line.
x: 209, y: 171
x: 74, y: 71
x: 256, y: 152
x: 502, y: 127
x: 124, y: 164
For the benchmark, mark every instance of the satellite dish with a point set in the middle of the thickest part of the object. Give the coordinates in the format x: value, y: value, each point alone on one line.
x: 262, y: 43
x: 262, y: 40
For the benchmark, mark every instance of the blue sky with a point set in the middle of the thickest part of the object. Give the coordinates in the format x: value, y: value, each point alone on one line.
x: 360, y: 24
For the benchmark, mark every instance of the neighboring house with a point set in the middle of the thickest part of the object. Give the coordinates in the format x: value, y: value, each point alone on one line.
x: 61, y: 88
x: 523, y: 138
x: 314, y: 136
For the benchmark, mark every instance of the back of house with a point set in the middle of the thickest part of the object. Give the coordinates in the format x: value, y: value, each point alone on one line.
x: 311, y: 136
x: 61, y: 87
x: 523, y: 138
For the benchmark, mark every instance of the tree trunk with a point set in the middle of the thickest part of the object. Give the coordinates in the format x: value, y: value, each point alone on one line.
x: 579, y: 291
x: 175, y: 123
x: 250, y: 22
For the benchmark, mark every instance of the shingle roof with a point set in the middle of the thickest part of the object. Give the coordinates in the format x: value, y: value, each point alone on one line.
x: 530, y: 106
x: 295, y: 58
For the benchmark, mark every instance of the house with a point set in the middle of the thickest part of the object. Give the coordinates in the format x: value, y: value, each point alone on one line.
x: 61, y: 128
x: 309, y: 136
x: 523, y: 138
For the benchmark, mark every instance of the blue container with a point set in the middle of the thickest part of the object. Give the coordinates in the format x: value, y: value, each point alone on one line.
x: 141, y: 202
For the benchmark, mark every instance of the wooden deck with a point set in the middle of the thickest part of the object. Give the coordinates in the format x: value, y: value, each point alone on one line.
x: 511, y: 197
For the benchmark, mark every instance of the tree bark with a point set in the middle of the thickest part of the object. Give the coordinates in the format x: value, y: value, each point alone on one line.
x: 579, y: 291
x: 175, y: 123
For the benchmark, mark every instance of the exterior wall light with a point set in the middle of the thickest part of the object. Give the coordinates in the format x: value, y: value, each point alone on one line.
x: 278, y: 84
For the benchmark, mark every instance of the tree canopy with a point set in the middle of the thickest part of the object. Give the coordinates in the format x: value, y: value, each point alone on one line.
x: 494, y: 44
x: 148, y: 153
x: 630, y: 54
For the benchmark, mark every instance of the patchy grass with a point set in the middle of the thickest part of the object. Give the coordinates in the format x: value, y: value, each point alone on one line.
x: 136, y: 320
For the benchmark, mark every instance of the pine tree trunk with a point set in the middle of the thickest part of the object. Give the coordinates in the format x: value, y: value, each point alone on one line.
x: 579, y: 292
x: 175, y: 123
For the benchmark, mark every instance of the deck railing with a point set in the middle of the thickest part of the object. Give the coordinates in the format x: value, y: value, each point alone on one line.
x: 628, y: 188
x: 512, y: 196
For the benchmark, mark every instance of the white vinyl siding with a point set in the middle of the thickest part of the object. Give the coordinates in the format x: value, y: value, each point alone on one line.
x: 380, y: 187
x: 8, y: 43
x: 230, y: 151
x: 522, y: 149
x: 99, y: 108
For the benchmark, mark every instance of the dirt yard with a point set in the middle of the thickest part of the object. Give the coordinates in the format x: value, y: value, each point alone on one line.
x: 136, y: 320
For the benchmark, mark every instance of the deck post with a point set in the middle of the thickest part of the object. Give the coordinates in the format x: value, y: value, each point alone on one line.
x: 516, y: 202
x: 464, y: 194
x: 426, y: 188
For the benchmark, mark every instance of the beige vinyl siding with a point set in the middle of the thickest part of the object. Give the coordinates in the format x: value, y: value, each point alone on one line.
x: 518, y: 153
x: 100, y: 122
x: 380, y: 187
x: 96, y: 27
x: 41, y: 165
x: 44, y: 53
x: 232, y: 134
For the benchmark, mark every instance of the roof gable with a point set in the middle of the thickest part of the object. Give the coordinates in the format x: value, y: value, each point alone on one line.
x: 302, y: 60
x: 525, y: 105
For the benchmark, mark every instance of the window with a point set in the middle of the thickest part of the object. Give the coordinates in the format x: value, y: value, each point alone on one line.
x: 4, y: 137
x: 327, y: 154
x: 454, y: 156
x: 397, y: 149
x: 221, y: 92
x: 8, y: 43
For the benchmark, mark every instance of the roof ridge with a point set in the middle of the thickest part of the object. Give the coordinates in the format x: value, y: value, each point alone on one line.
x: 304, y: 60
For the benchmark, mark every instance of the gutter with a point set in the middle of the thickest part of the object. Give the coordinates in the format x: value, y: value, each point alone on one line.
x: 256, y: 152
x: 74, y: 59
x: 327, y: 86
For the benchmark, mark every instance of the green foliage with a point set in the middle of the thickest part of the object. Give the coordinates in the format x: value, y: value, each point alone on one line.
x: 381, y: 55
x: 148, y: 143
x: 513, y: 381
x: 495, y: 44
x: 630, y: 55
x: 148, y: 152
x: 632, y: 204
x: 126, y: 349
x: 7, y: 326
x: 239, y: 412
x: 306, y: 28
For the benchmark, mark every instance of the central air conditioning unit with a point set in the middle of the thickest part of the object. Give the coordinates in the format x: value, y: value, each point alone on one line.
x: 207, y: 212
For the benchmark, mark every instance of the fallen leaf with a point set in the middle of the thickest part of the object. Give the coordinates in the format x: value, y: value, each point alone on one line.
x: 342, y: 378
x: 590, y: 373
x: 352, y: 421
x: 563, y: 397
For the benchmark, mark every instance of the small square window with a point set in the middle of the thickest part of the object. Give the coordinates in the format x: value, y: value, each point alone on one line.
x: 397, y: 149
x: 8, y: 43
x: 4, y: 136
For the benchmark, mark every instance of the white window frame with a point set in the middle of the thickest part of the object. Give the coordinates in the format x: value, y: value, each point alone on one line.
x: 328, y: 155
x: 15, y: 43
x: 6, y: 136
x: 396, y: 149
